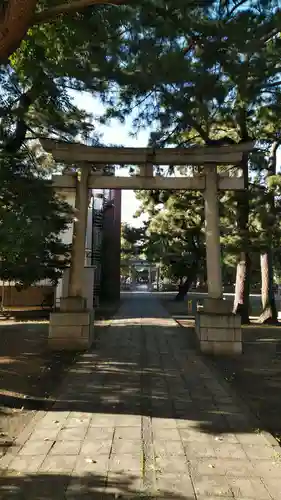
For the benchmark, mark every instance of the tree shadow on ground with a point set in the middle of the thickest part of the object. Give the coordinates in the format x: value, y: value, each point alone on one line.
x: 153, y: 373
x: 28, y: 314
x: 29, y: 371
x: 256, y: 375
x: 143, y: 366
x: 53, y: 486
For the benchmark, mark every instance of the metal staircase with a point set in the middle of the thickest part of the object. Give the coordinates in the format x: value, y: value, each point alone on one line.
x: 101, y: 199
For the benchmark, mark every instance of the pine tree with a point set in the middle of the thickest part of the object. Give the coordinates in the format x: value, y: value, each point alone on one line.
x: 270, y: 234
x: 35, y: 102
x: 31, y: 220
x: 210, y: 85
x: 174, y: 234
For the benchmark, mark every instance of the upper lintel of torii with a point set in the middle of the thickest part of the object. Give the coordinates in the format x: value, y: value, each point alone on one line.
x: 146, y: 158
x: 80, y: 153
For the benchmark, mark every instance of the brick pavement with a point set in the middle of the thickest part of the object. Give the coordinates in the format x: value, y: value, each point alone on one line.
x: 142, y: 416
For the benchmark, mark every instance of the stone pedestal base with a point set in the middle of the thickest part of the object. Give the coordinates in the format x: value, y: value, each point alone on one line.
x: 219, y: 333
x: 71, y: 331
x: 217, y: 306
x: 73, y: 304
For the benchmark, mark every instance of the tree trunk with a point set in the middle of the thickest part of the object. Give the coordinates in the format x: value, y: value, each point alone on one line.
x: 184, y: 288
x: 15, y: 18
x: 242, y: 285
x: 17, y: 139
x: 269, y: 311
x: 242, y: 288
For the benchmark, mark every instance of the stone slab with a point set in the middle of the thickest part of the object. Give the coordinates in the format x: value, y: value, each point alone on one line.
x: 68, y: 331
x: 71, y: 330
x: 219, y: 320
x: 219, y: 334
x: 71, y: 318
x: 69, y: 304
x: 231, y: 348
x: 217, y: 306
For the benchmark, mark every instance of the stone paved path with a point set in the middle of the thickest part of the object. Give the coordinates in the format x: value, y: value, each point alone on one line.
x: 142, y: 416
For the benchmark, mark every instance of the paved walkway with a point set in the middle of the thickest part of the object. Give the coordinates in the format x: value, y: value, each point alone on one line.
x: 142, y: 415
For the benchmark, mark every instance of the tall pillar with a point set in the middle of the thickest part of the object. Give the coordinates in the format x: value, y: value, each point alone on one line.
x: 76, y: 271
x: 149, y: 276
x: 218, y: 330
x: 158, y: 278
x: 72, y: 327
x: 131, y: 274
x: 212, y: 224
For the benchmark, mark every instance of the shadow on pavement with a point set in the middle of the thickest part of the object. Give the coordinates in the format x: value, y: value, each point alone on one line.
x: 154, y: 375
x: 29, y: 372
x: 143, y: 364
x: 50, y: 486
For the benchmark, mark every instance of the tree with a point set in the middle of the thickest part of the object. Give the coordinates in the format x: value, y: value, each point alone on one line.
x: 270, y: 239
x: 31, y: 216
x: 17, y: 16
x: 174, y: 234
x: 133, y: 241
x: 37, y: 97
x: 31, y: 221
x: 212, y: 79
x: 35, y: 102
x: 195, y: 80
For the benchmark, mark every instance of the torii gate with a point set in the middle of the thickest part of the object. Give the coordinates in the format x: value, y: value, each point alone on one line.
x: 218, y: 330
x: 134, y: 263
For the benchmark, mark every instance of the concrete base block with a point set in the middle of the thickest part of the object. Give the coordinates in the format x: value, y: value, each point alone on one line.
x: 219, y: 334
x: 217, y: 306
x: 72, y: 304
x: 71, y: 331
x: 221, y: 348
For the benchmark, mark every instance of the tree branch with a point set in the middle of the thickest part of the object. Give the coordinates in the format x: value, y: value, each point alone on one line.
x: 272, y: 158
x: 15, y: 142
x: 272, y: 85
x: 236, y: 6
x: 261, y: 41
x: 76, y: 5
x: 14, y: 22
x: 196, y: 126
x: 242, y: 123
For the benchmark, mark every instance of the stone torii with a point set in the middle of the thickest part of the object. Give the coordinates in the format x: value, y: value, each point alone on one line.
x: 219, y: 331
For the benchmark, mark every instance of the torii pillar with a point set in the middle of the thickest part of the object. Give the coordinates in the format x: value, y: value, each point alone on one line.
x: 217, y: 328
x: 72, y: 328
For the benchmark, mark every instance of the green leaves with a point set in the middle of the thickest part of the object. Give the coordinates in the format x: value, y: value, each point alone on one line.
x: 174, y: 234
x: 31, y: 220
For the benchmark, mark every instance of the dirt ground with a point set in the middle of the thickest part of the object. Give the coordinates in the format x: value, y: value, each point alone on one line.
x: 29, y: 372
x: 256, y: 375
